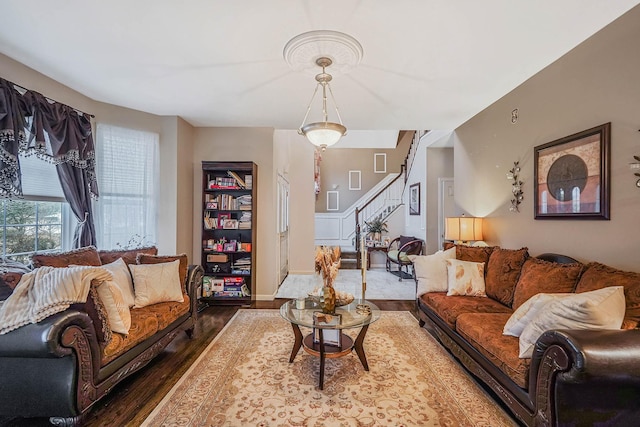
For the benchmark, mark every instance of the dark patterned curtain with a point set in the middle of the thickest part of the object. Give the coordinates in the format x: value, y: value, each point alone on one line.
x: 12, y: 136
x: 56, y: 133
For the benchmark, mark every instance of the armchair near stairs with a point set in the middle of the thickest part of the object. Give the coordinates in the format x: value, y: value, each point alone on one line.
x: 399, y: 250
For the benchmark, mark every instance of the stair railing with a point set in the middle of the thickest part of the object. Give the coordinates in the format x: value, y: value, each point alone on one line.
x: 381, y: 205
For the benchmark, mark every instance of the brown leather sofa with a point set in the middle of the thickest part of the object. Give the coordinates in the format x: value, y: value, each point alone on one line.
x: 60, y: 366
x: 575, y: 377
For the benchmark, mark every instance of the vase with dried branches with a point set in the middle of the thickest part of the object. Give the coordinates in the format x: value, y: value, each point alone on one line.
x: 327, y: 264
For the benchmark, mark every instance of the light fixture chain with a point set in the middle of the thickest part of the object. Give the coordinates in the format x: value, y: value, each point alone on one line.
x: 335, y: 105
x: 309, y: 106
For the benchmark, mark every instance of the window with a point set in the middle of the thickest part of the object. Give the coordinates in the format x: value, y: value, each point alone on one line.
x: 30, y: 226
x: 42, y: 221
x: 127, y: 168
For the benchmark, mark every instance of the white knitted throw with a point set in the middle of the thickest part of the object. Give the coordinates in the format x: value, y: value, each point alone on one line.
x: 46, y: 291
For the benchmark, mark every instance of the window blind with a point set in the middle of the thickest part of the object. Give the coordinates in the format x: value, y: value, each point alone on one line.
x: 127, y: 166
x: 40, y: 179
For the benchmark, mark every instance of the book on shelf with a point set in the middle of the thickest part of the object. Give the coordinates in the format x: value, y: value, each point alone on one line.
x: 240, y: 182
x: 228, y: 294
x: 210, y: 285
x: 248, y: 181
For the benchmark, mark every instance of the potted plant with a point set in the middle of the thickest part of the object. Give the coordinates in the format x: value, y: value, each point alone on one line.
x: 376, y: 227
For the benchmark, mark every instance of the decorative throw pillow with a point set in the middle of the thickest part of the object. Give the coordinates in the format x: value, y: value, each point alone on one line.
x: 474, y: 253
x: 597, y: 276
x: 82, y: 256
x: 154, y: 283
x: 502, y: 273
x: 184, y: 264
x: 431, y: 271
x: 601, y: 309
x: 122, y: 279
x: 117, y: 309
x: 528, y: 311
x: 465, y: 278
x: 539, y: 276
x: 128, y: 255
x: 404, y: 240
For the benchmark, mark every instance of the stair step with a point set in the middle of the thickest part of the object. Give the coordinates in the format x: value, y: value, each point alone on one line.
x: 348, y: 255
x: 348, y: 264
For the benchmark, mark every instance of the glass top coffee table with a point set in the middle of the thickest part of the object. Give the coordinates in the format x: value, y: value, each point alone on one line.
x: 327, y: 339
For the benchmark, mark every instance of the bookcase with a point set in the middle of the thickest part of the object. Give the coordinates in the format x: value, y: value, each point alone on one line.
x: 228, y: 232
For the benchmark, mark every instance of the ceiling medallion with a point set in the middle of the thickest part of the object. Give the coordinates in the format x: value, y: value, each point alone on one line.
x: 303, y: 51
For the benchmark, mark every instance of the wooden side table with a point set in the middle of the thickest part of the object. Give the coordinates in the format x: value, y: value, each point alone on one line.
x: 371, y: 249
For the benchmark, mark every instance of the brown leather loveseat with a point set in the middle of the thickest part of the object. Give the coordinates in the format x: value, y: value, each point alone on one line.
x: 573, y: 377
x: 60, y: 366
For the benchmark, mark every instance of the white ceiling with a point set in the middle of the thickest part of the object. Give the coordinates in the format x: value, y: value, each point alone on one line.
x: 428, y: 64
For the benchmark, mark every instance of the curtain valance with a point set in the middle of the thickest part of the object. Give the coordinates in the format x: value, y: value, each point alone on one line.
x: 54, y: 132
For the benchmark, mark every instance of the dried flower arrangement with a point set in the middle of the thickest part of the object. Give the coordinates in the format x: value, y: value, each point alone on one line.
x: 327, y: 263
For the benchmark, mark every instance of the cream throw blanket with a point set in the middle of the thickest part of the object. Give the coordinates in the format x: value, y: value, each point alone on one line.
x: 46, y: 291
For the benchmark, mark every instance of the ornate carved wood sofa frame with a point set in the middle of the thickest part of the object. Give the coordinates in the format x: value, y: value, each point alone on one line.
x: 59, y: 367
x: 575, y: 377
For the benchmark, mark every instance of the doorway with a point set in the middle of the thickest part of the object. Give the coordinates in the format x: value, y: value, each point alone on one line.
x: 446, y: 206
x: 283, y: 228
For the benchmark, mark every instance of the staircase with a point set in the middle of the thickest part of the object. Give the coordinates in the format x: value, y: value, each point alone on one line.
x: 348, y: 259
x: 344, y: 229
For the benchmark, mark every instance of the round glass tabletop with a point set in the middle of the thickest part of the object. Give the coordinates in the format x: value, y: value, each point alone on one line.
x: 357, y: 314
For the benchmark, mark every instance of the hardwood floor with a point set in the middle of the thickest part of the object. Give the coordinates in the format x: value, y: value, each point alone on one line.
x: 131, y: 401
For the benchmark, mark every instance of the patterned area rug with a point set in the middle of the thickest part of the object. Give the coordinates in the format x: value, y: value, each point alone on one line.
x: 244, y: 378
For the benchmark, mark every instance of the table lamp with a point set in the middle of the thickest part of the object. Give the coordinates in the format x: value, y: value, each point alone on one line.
x: 463, y: 229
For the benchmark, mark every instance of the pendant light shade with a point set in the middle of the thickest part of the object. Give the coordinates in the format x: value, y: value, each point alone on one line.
x: 325, y: 133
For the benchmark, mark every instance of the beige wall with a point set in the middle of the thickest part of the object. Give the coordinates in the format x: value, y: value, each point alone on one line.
x: 242, y: 144
x: 294, y: 160
x: 595, y: 83
x: 337, y: 162
x: 184, y: 190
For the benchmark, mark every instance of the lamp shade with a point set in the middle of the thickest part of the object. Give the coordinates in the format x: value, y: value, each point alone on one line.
x: 463, y: 228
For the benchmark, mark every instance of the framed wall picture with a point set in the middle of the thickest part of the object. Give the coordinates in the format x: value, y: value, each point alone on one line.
x: 333, y: 200
x: 414, y: 199
x: 380, y: 162
x: 355, y: 180
x: 572, y: 174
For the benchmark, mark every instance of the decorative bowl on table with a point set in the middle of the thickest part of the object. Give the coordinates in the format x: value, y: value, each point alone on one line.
x: 342, y: 298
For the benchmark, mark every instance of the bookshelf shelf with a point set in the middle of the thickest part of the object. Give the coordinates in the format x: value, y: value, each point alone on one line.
x: 228, y: 232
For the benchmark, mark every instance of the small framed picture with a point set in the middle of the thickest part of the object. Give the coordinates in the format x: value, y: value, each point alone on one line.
x: 414, y: 199
x: 229, y: 247
x: 230, y: 224
x: 222, y: 217
x: 330, y: 336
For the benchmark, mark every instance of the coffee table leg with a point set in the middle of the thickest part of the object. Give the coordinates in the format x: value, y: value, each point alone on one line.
x: 298, y: 341
x: 360, y: 349
x: 322, y: 355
